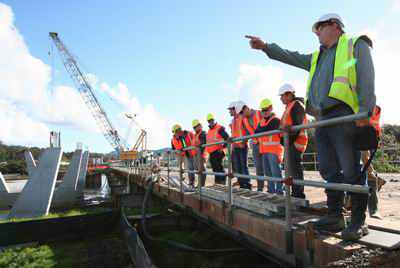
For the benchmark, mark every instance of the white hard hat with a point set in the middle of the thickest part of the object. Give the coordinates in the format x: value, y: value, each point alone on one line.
x: 328, y: 17
x: 286, y: 88
x: 232, y: 105
x: 239, y: 106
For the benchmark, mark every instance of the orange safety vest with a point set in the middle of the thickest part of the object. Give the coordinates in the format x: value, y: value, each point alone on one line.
x: 271, y: 143
x: 302, y: 139
x: 251, y: 123
x: 212, y: 137
x: 375, y: 119
x: 238, y: 131
x: 197, y: 141
x: 189, y: 141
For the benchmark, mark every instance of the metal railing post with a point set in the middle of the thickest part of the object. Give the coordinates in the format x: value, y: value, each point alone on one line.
x: 288, y: 199
x: 168, y: 159
x: 315, y: 161
x: 200, y: 166
x: 181, y: 176
x: 230, y: 174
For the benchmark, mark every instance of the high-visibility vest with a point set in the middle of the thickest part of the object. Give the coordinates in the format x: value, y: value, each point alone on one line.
x: 238, y: 131
x: 271, y: 143
x: 251, y: 123
x: 301, y: 141
x: 212, y: 137
x: 188, y: 141
x: 375, y: 119
x: 197, y: 140
x: 344, y: 85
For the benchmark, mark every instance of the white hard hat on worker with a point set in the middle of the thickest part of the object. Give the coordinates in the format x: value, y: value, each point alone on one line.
x: 328, y: 18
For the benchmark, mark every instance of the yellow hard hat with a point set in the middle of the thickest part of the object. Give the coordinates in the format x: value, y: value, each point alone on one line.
x: 210, y: 117
x: 265, y: 103
x: 176, y: 127
x: 195, y: 123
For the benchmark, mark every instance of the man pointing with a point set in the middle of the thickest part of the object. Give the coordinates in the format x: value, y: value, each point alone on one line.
x: 340, y: 83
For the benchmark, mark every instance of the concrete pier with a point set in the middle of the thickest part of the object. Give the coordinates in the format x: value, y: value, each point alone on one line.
x: 65, y: 194
x: 35, y: 198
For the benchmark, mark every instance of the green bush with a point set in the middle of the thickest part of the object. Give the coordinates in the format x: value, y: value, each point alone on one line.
x: 27, y: 257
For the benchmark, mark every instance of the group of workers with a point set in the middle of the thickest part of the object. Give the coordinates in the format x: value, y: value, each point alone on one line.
x: 267, y: 150
x: 340, y: 83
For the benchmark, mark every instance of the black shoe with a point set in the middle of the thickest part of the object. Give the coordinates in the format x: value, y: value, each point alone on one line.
x: 330, y: 223
x: 354, y: 232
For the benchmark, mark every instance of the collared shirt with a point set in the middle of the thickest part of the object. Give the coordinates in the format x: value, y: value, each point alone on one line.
x: 318, y: 99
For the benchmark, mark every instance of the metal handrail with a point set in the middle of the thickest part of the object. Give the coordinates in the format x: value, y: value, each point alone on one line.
x: 287, y: 181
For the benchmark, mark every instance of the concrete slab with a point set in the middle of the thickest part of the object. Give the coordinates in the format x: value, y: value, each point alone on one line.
x: 82, y: 173
x: 65, y: 194
x: 30, y: 163
x: 3, y: 185
x: 35, y: 198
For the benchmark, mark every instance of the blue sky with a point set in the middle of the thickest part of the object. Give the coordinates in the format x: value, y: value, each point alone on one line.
x: 183, y: 58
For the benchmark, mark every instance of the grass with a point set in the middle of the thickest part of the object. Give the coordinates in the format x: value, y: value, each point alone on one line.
x: 63, y: 254
x: 67, y: 213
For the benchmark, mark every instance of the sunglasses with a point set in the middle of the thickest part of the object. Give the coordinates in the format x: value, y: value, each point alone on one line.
x: 323, y: 24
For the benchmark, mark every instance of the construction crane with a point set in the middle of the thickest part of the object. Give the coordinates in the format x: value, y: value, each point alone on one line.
x: 141, y: 142
x: 88, y: 96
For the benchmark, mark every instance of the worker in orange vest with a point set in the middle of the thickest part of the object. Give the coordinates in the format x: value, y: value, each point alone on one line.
x: 199, y: 159
x: 294, y: 114
x: 251, y: 119
x: 180, y: 140
x: 239, y: 148
x: 216, y: 133
x: 270, y: 146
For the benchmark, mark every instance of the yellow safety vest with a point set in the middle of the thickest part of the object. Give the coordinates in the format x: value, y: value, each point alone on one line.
x: 344, y: 85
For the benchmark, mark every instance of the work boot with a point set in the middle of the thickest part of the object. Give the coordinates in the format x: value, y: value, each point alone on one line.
x: 334, y: 221
x: 331, y: 223
x: 357, y: 227
x: 380, y: 182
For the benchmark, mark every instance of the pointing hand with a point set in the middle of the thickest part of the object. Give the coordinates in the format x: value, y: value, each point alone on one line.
x: 256, y: 42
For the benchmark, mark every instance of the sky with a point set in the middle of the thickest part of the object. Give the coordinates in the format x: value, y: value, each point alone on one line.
x: 166, y: 61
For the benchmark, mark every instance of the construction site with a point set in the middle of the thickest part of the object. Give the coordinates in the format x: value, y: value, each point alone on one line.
x: 316, y: 184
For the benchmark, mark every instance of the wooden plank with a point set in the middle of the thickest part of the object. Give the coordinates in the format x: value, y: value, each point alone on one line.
x: 381, y: 239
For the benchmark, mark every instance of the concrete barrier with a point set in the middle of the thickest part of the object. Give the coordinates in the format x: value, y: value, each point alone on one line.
x: 65, y: 194
x: 3, y: 185
x: 30, y: 163
x: 35, y: 198
x: 82, y: 173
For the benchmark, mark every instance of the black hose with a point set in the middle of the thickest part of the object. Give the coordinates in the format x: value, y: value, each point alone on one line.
x: 175, y: 244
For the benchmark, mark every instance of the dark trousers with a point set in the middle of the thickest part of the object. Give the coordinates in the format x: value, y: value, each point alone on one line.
x: 339, y: 160
x: 216, y: 159
x: 239, y: 165
x: 296, y: 171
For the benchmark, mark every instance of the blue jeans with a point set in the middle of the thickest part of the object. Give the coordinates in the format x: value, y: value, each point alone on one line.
x: 272, y: 169
x: 258, y: 163
x: 239, y: 165
x: 189, y: 164
x: 339, y: 161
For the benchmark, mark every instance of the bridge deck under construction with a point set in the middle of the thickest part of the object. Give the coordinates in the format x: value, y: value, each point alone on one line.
x: 264, y: 225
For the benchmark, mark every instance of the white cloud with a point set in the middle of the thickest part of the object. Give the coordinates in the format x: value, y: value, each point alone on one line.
x: 386, y: 56
x: 18, y: 128
x: 256, y: 82
x: 24, y: 91
x: 147, y: 117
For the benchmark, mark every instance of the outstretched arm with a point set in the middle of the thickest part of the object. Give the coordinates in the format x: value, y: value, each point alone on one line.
x: 275, y: 52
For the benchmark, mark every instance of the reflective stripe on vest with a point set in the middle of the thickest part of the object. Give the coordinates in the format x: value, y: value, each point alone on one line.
x: 302, y: 139
x: 238, y: 130
x: 212, y: 137
x: 375, y: 120
x: 187, y: 141
x: 271, y: 143
x: 344, y: 84
x: 251, y: 123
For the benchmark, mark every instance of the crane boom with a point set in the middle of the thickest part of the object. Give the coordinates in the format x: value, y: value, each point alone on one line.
x: 87, y: 94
